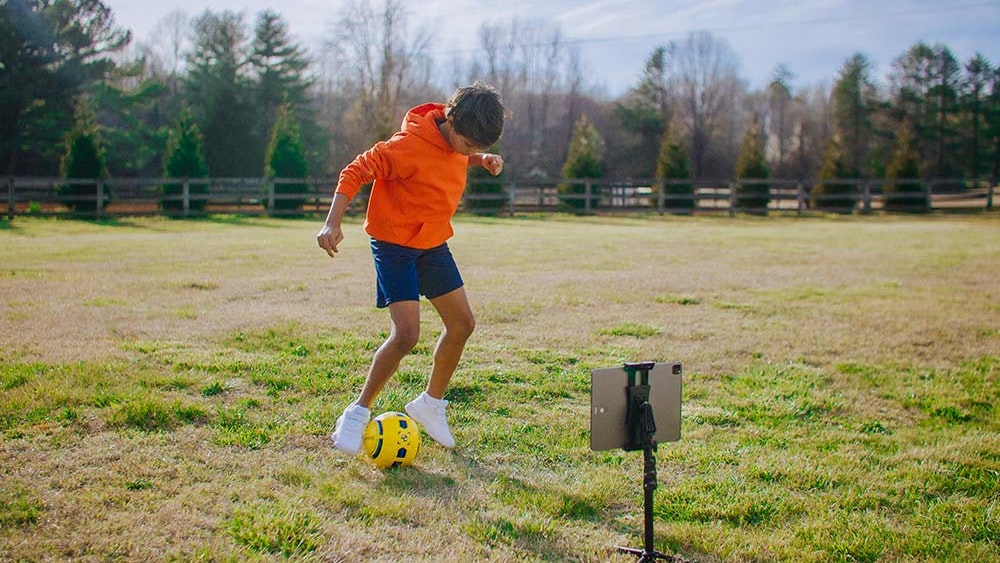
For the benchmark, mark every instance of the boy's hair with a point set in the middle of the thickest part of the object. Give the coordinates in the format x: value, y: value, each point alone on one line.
x: 476, y: 113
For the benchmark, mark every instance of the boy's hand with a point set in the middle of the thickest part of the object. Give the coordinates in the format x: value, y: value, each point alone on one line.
x: 329, y: 237
x: 493, y: 163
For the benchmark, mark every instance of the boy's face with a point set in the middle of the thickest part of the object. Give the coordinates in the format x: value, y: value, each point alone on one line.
x: 459, y: 143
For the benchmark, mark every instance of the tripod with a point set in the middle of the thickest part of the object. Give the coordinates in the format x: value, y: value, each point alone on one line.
x: 641, y: 425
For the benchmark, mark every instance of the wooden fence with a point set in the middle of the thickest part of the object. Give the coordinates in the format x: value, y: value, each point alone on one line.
x: 115, y: 197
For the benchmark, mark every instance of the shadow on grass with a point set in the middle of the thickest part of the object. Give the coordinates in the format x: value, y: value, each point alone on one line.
x: 237, y: 220
x: 503, y: 217
x: 120, y: 222
x: 414, y: 480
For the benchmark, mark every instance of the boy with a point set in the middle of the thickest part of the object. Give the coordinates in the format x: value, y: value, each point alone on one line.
x: 419, y: 176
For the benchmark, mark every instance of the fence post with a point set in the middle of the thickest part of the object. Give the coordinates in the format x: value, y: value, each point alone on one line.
x: 186, y: 196
x: 661, y: 197
x: 510, y: 198
x: 586, y: 201
x: 989, y: 194
x: 800, y: 193
x: 10, y: 198
x: 270, y: 196
x: 100, y: 198
x: 866, y: 197
x: 928, y: 203
x: 732, y: 198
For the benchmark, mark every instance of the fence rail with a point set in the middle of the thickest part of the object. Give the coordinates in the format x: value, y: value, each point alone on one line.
x: 97, y: 198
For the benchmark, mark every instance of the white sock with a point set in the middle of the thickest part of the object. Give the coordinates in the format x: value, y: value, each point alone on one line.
x: 355, y: 406
x: 425, y: 397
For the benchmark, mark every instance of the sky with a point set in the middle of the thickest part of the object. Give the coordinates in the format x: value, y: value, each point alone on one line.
x: 812, y: 38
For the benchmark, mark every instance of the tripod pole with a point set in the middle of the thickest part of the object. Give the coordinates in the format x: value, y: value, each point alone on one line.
x: 648, y: 486
x: 648, y: 554
x: 642, y: 429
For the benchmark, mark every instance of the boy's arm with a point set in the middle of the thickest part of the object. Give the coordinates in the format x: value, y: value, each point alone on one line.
x: 371, y: 164
x: 331, y: 233
x: 362, y: 170
x: 493, y: 163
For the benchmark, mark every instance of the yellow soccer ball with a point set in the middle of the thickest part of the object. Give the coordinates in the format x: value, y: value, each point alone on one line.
x: 391, y: 440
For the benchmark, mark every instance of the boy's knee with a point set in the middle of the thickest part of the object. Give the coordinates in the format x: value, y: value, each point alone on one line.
x: 463, y: 326
x: 405, y: 339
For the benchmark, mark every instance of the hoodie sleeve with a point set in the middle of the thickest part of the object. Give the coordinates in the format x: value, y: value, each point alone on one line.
x: 366, y: 167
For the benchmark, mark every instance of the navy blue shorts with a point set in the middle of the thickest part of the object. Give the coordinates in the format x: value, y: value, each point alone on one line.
x: 404, y: 274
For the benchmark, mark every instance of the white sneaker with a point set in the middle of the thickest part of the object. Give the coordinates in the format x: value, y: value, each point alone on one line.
x: 429, y: 413
x: 350, y: 428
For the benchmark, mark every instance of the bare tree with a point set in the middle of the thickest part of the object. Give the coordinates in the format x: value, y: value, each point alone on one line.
x: 384, y: 61
x: 499, y: 45
x: 810, y: 121
x: 333, y: 98
x: 527, y: 60
x: 707, y: 88
x: 172, y: 34
x: 574, y: 95
x: 779, y: 123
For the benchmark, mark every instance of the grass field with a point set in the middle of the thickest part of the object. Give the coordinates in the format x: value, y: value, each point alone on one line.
x: 167, y: 389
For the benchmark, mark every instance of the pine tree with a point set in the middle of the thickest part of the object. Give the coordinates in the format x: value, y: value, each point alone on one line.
x: 286, y: 158
x: 491, y: 189
x: 752, y: 197
x: 184, y: 158
x: 584, y: 161
x: 976, y: 115
x: 993, y: 125
x: 674, y: 163
x: 904, y: 191
x: 853, y: 102
x: 924, y: 82
x: 130, y: 106
x: 50, y: 53
x: 827, y: 194
x: 280, y: 67
x: 84, y: 159
x: 644, y: 113
x: 221, y: 94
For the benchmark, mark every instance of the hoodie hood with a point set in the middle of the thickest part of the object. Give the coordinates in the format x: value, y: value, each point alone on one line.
x: 423, y: 122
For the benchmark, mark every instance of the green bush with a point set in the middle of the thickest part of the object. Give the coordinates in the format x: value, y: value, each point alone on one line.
x: 286, y: 158
x: 828, y: 194
x: 674, y: 163
x: 84, y: 159
x: 904, y: 191
x: 584, y: 161
x: 184, y: 158
x: 752, y: 197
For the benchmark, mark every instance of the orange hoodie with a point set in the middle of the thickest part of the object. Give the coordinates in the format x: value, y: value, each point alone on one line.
x: 419, y: 180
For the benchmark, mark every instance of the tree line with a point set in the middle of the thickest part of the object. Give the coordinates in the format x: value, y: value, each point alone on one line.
x: 219, y: 95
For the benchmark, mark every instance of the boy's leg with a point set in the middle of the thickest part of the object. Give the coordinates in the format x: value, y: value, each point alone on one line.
x: 428, y: 409
x: 459, y: 322
x: 403, y: 336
